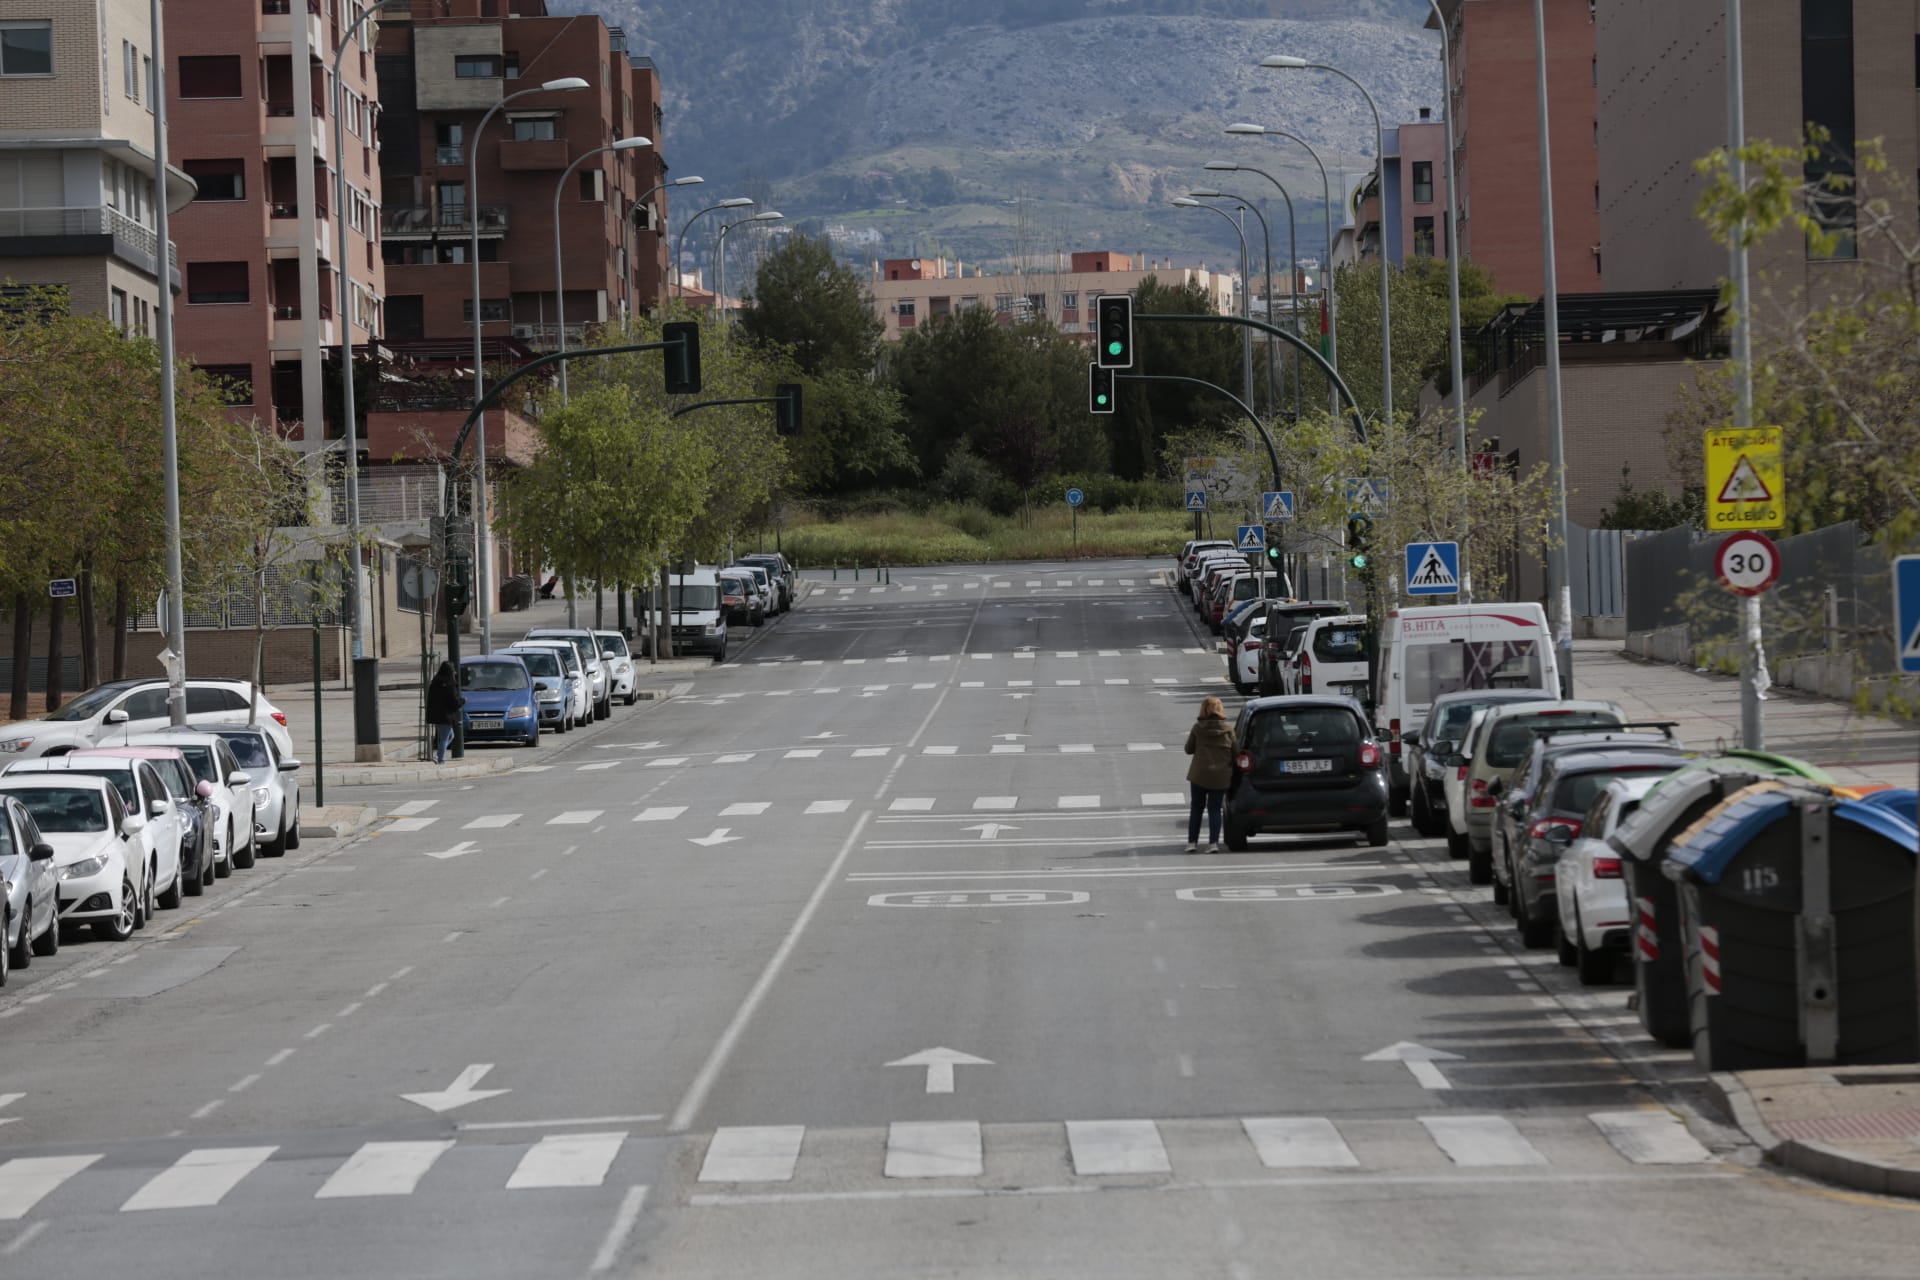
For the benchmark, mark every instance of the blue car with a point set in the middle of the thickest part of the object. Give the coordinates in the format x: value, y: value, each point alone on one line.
x: 500, y: 700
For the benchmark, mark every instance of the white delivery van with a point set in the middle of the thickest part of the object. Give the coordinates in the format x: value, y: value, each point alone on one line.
x: 1428, y: 650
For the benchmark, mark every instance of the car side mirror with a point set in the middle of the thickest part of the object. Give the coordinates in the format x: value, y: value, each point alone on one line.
x: 117, y: 716
x: 203, y: 789
x: 289, y: 766
x: 40, y: 852
x: 158, y: 808
x: 1411, y: 737
x: 1495, y: 787
x: 132, y: 826
x: 1444, y: 749
x: 239, y: 778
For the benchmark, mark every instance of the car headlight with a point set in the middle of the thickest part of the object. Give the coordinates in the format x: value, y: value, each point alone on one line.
x: 16, y: 745
x: 259, y: 795
x: 549, y: 695
x: 716, y: 629
x: 83, y: 868
x: 519, y: 711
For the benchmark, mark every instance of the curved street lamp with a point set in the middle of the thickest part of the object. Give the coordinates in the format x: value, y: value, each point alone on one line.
x: 1326, y: 265
x: 1266, y: 239
x: 626, y: 237
x: 720, y: 254
x: 1246, y: 269
x: 1293, y: 269
x: 559, y: 270
x: 680, y: 245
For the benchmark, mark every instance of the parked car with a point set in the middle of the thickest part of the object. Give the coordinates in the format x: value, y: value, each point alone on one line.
x: 499, y: 700
x: 96, y: 847
x: 1595, y: 923
x: 1204, y: 563
x: 190, y: 805
x: 552, y: 698
x: 30, y: 909
x: 1306, y: 763
x: 619, y: 660
x: 783, y: 573
x: 600, y: 686
x: 1243, y: 654
x: 1212, y: 569
x: 1430, y: 746
x: 1190, y: 553
x: 144, y: 796
x: 573, y: 678
x: 1332, y: 658
x: 1233, y: 623
x: 1505, y: 736
x: 1282, y: 617
x: 109, y: 714
x: 276, y: 786
x: 763, y: 585
x: 1238, y: 588
x: 693, y: 611
x: 739, y: 601
x: 231, y: 801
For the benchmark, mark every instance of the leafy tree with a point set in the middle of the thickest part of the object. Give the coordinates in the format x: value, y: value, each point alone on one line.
x: 1145, y: 413
x: 809, y: 304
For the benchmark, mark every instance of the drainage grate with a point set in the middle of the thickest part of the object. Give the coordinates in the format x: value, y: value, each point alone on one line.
x: 1896, y: 1077
x: 1870, y: 1124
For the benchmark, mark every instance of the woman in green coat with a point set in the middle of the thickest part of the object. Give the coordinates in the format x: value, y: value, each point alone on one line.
x: 1210, y: 743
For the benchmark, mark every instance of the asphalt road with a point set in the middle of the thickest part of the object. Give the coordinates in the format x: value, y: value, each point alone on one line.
x: 874, y: 954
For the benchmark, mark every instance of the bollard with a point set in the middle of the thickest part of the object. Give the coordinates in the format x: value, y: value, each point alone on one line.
x: 856, y: 571
x: 836, y: 571
x: 889, y: 577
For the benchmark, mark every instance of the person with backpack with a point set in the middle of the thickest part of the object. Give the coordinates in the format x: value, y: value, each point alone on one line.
x: 1210, y: 743
x: 443, y: 709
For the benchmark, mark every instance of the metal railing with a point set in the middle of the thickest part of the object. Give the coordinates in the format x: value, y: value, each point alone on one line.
x: 543, y: 337
x: 432, y: 219
x: 391, y: 495
x: 449, y: 155
x: 92, y: 220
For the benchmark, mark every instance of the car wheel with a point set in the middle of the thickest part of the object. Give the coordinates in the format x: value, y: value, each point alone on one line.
x: 293, y: 832
x: 563, y: 724
x: 240, y: 860
x: 196, y: 884
x: 633, y: 697
x: 1421, y: 812
x: 48, y: 943
x: 277, y: 846
x: 1457, y: 847
x: 221, y: 870
x: 171, y: 898
x: 20, y: 954
x: 1396, y: 803
x: 121, y: 927
x: 1236, y: 838
x: 144, y: 908
x: 1595, y: 968
x: 1480, y: 867
x: 606, y: 708
x: 3, y: 951
x: 1376, y: 833
x: 1563, y: 947
x: 1501, y: 896
x: 533, y: 738
x: 1242, y: 688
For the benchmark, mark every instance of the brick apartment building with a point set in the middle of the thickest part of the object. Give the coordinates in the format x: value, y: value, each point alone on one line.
x: 908, y: 292
x: 1415, y: 196
x: 250, y: 115
x: 77, y: 170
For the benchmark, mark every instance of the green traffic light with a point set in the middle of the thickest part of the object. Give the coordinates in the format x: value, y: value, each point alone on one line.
x: 1114, y: 348
x: 1100, y: 400
x: 1358, y: 562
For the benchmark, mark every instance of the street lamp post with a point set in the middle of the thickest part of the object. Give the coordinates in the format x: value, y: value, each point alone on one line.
x: 691, y: 180
x: 175, y: 621
x: 559, y: 267
x: 1246, y: 269
x: 1283, y: 61
x: 1266, y: 237
x: 680, y: 244
x: 1457, y: 362
x: 1559, y: 587
x: 483, y: 561
x: 720, y: 256
x: 1327, y: 290
x: 1293, y: 261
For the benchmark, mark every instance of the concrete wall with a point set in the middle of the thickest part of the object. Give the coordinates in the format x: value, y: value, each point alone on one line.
x: 436, y: 48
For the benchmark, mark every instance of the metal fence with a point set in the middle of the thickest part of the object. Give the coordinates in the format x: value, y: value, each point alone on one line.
x: 1597, y: 568
x: 291, y: 597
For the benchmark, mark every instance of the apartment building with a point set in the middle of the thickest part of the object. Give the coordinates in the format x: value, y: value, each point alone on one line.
x: 78, y: 180
x: 908, y: 292
x: 1414, y: 195
x: 442, y: 69
x: 250, y: 107
x: 1497, y: 139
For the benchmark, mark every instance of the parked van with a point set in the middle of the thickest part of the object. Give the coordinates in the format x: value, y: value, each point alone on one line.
x: 694, y: 612
x: 1332, y: 658
x: 1428, y: 650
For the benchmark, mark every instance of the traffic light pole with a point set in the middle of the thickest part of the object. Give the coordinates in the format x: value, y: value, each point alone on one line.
x: 1273, y: 454
x: 1299, y: 344
x: 711, y: 404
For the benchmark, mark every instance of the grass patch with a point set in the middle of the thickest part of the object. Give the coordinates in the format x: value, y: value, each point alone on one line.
x: 954, y: 534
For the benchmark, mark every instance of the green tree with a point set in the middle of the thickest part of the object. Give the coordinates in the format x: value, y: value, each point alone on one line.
x: 810, y: 305
x: 1146, y: 413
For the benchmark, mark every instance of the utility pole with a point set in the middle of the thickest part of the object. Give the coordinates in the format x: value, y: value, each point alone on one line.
x: 1753, y: 654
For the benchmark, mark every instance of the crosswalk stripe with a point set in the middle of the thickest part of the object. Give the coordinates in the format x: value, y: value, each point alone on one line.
x: 911, y: 804
x: 1079, y: 802
x: 1019, y: 684
x: 934, y: 1149
x: 1076, y: 748
x: 1299, y: 1142
x: 1067, y: 653
x: 412, y: 807
x: 1153, y: 799
x: 1166, y: 680
x: 995, y: 802
x: 567, y: 1160
x: 1146, y: 746
x: 1121, y: 680
x: 662, y: 813
x: 1096, y: 582
x: 939, y: 751
x: 868, y: 753
x: 490, y: 821
x: 1481, y: 1141
x: 1034, y: 583
x: 1066, y: 684
x: 411, y: 824
x: 1650, y: 1137
x: 746, y: 809
x: 666, y: 762
x: 753, y: 1153
x: 803, y: 753
x: 575, y: 818
x: 738, y: 757
x: 383, y: 1169
x: 1116, y: 1146
x: 604, y: 764
x: 1007, y: 749
x: 1064, y: 582
x: 1109, y: 653
x: 199, y: 1178
x: 1126, y: 582
x: 23, y: 1182
x: 829, y: 806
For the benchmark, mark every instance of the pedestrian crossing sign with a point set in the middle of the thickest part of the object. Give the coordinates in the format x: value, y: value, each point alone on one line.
x: 1196, y: 499
x: 1906, y: 610
x: 1250, y: 537
x: 1433, y: 568
x: 1366, y: 495
x: 1276, y: 506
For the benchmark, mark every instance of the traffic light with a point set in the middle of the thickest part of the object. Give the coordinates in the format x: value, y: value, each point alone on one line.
x: 786, y: 408
x: 1273, y: 553
x: 1359, y: 541
x: 683, y: 357
x: 459, y: 585
x: 1099, y: 389
x: 1114, y: 330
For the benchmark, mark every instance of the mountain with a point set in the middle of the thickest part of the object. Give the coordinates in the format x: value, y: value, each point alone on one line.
x: 1005, y: 127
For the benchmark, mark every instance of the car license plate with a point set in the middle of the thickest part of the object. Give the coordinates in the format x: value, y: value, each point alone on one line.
x: 1307, y: 766
x: 478, y: 723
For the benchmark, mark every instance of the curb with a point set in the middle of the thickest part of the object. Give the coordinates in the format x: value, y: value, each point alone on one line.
x: 336, y: 821
x: 1818, y: 1160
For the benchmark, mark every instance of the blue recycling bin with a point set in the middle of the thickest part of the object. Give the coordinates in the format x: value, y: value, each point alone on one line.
x: 1763, y: 972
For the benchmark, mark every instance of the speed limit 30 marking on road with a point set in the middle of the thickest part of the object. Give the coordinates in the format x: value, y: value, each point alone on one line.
x: 1747, y: 564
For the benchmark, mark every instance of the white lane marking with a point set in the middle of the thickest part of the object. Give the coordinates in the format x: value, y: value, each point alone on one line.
x: 23, y: 1182
x: 412, y: 807
x: 1480, y: 1141
x: 1076, y: 749
x: 803, y: 753
x: 939, y: 751
x: 995, y: 802
x: 666, y: 762
x: 1299, y: 1142
x: 981, y: 657
x: 1146, y: 746
x: 973, y: 684
x: 1125, y: 582
x: 934, y: 1149
x: 1066, y: 684
x: 999, y: 586
x: 1109, y: 653
x: 1193, y: 651
x: 349, y: 1011
x: 869, y: 753
x: 400, y: 973
x: 661, y: 813
x: 1116, y: 1146
x: 852, y: 662
x: 1008, y: 749
x: 567, y: 1160
x: 575, y: 818
x: 1079, y: 802
x: 1034, y: 582
x: 898, y: 659
x: 537, y: 874
x: 911, y: 804
x: 206, y: 1109
x: 555, y: 1124
x: 244, y: 1083
x: 829, y: 806
x: 314, y: 1033
x: 753, y: 1153
x: 1650, y: 1137
x: 1184, y: 1064
x: 1067, y: 653
x: 284, y: 1054
x: 198, y: 1179
x: 739, y: 757
x: 383, y: 1169
x: 411, y: 824
x: 875, y: 688
x: 1166, y: 680
x: 1152, y: 799
x: 696, y: 1095
x: 745, y: 809
x: 1121, y: 680
x: 605, y: 764
x: 491, y: 821
x: 1064, y: 582
x: 926, y: 686
x: 630, y: 1206
x: 24, y: 1239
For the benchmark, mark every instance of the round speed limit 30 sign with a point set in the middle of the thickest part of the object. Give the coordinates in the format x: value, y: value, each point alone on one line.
x: 1747, y: 564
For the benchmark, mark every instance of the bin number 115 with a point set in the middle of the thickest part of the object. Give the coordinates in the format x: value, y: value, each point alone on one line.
x: 1760, y: 879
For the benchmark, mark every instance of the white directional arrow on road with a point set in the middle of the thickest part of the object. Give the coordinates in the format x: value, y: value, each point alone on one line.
x: 7, y: 1100
x: 1016, y: 696
x: 1011, y: 737
x: 821, y: 737
x: 1419, y: 1060
x: 460, y: 1092
x: 988, y: 830
x: 940, y: 1064
x: 465, y: 846
x: 719, y: 836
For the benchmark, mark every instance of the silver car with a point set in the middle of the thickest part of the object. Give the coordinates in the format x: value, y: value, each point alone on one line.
x: 588, y: 649
x: 619, y: 660
x: 30, y: 912
x: 276, y: 786
x: 573, y: 678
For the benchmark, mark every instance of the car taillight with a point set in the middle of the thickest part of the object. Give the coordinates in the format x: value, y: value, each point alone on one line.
x: 1243, y: 762
x: 1606, y: 869
x: 1393, y: 737
x: 1479, y: 799
x: 1460, y: 773
x: 1546, y: 826
x: 281, y: 716
x: 1369, y: 756
x: 1306, y: 673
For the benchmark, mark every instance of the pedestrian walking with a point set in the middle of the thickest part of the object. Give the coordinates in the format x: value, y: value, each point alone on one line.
x: 443, y: 709
x: 1210, y: 743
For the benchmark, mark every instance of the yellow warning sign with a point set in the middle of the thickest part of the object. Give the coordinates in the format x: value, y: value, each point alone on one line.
x: 1746, y: 479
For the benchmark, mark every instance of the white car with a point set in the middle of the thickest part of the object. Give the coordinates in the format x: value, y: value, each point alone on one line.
x: 106, y: 715
x: 276, y: 785
x: 619, y: 662
x: 145, y: 792
x: 587, y: 649
x: 231, y: 806
x: 573, y: 678
x: 1332, y: 658
x: 30, y: 903
x: 1244, y: 662
x: 82, y: 817
x: 1596, y: 922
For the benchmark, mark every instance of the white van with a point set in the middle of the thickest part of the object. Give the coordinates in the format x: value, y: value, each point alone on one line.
x: 695, y: 615
x: 1332, y: 658
x: 1428, y: 650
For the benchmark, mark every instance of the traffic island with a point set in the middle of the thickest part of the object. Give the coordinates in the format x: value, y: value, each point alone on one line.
x: 336, y: 821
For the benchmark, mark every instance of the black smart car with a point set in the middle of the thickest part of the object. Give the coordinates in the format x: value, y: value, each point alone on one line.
x: 1306, y: 763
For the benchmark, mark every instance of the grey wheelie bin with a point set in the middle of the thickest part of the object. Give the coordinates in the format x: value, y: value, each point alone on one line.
x: 1642, y: 840
x: 1798, y: 914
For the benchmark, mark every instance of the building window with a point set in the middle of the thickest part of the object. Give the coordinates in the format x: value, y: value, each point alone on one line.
x: 513, y: 66
x: 1826, y: 100
x: 26, y: 48
x: 1423, y: 237
x: 233, y: 381
x: 142, y: 317
x: 904, y: 308
x: 210, y: 77
x: 218, y: 179
x: 117, y: 309
x: 476, y: 66
x: 1003, y: 302
x: 533, y: 129
x: 593, y: 184
x: 1070, y: 301
x: 146, y: 65
x: 216, y: 282
x: 490, y: 309
x: 130, y: 78
x: 1423, y: 182
x: 448, y: 137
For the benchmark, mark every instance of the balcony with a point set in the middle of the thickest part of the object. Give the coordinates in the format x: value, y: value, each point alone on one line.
x: 546, y: 337
x: 539, y: 155
x: 449, y: 155
x: 429, y: 222
x: 276, y: 24
x: 80, y: 232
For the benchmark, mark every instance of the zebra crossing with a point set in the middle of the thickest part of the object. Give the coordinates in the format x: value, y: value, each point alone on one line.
x: 203, y: 1177
x: 841, y: 589
x: 1023, y: 653
x: 908, y: 1150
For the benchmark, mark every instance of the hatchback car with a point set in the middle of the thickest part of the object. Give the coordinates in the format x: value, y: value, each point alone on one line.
x: 30, y: 905
x: 1283, y: 616
x: 96, y: 845
x: 573, y: 679
x: 191, y: 807
x: 619, y: 659
x: 739, y: 601
x: 1430, y: 746
x: 1501, y: 741
x: 232, y: 799
x: 1594, y: 922
x: 276, y: 786
x: 1305, y: 764
x: 499, y: 700
x: 1190, y: 554
x: 600, y: 694
x: 106, y: 714
x: 142, y: 795
x: 1332, y: 658
x: 552, y: 699
x: 776, y: 564
x: 762, y: 579
x: 1243, y: 654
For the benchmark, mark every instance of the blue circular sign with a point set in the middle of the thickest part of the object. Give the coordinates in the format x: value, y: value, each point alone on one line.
x: 1075, y: 497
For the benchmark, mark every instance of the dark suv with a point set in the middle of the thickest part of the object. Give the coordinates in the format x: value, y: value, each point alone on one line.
x: 1306, y: 763
x: 1431, y: 746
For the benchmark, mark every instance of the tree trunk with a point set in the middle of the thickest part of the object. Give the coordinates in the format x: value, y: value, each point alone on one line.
x: 56, y: 643
x: 22, y: 654
x: 119, y: 628
x: 89, y: 630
